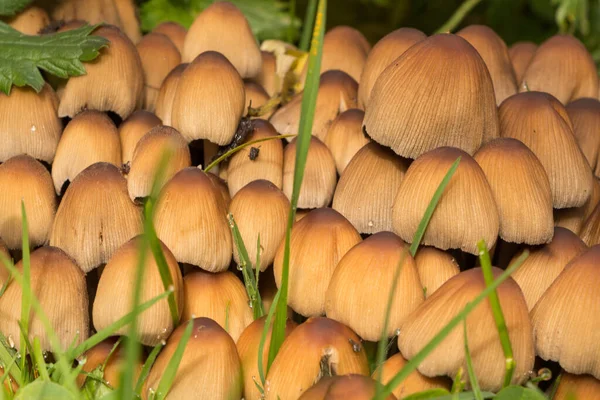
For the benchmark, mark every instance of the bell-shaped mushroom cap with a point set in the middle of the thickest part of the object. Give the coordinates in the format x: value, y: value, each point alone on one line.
x: 29, y: 123
x: 209, y: 100
x: 256, y: 97
x: 494, y: 52
x: 572, y: 387
x: 521, y: 54
x: 521, y: 189
x: 133, y: 129
x: 114, y: 296
x: 210, y: 367
x: 320, y: 176
x: 221, y: 185
x: 363, y: 307
x: 25, y: 180
x: 337, y: 93
x: 268, y: 77
x: 374, y: 169
x: 29, y: 21
x: 345, y: 49
x: 435, y: 267
x: 566, y: 319
x: 163, y: 106
x: 486, y: 351
x: 147, y: 157
x: 114, y: 82
x: 344, y: 387
x: 159, y: 56
x: 542, y: 124
x: 545, y: 263
x: 95, y: 216
x: 590, y: 232
x: 222, y: 27
x: 247, y: 345
x: 437, y: 93
x: 318, y: 243
x: 88, y: 138
x: 466, y: 212
x: 190, y: 218
x: 562, y: 67
x: 260, y: 210
x: 59, y: 287
x: 316, y: 347
x: 219, y: 296
x: 414, y: 383
x: 573, y: 218
x: 585, y: 116
x: 345, y: 137
x: 265, y: 162
x: 385, y: 51
x: 174, y: 31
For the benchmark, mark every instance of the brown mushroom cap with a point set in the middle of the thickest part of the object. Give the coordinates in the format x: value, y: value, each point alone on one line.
x: 344, y: 387
x: 521, y: 54
x: 174, y: 31
x: 345, y: 137
x: 435, y: 267
x: 345, y: 49
x: 585, y: 115
x: 133, y: 129
x: 573, y: 387
x: 166, y: 95
x: 29, y: 21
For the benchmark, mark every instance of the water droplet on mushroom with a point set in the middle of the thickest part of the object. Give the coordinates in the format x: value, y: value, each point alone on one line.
x: 11, y: 342
x: 33, y: 128
x: 370, y: 224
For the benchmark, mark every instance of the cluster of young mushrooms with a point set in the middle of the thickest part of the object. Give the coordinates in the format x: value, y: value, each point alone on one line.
x: 390, y: 120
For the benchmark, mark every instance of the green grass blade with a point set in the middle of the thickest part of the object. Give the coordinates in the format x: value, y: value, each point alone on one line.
x: 169, y: 375
x: 39, y: 360
x: 146, y: 368
x: 9, y: 366
x: 309, y: 101
x: 263, y: 338
x: 472, y: 377
x: 431, y: 208
x: 309, y: 18
x: 246, y: 268
x: 456, y: 18
x: 26, y: 288
x: 257, y: 269
x: 441, y: 335
x: 488, y: 276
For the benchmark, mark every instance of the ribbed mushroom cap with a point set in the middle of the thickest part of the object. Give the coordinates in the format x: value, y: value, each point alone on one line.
x: 163, y: 106
x: 268, y: 289
x: 494, y: 53
x: 133, y: 129
x: 320, y: 175
x: 25, y: 180
x: 222, y: 27
x: 114, y: 82
x: 385, y: 51
x: 590, y: 232
x: 148, y: 155
x: 210, y: 367
x: 345, y: 137
x: 484, y: 344
x: 268, y: 77
x: 437, y: 93
x: 95, y: 216
x: 542, y: 124
x: 521, y: 54
x: 362, y: 307
x: 159, y: 56
x: 414, y: 383
x: 337, y: 93
x: 174, y: 31
x: 247, y: 346
x: 566, y: 319
x: 345, y: 49
x: 572, y: 387
x: 59, y: 287
x: 260, y: 210
x: 466, y: 212
x: 374, y: 169
x: 563, y: 67
x: 29, y: 21
x: 256, y: 96
x: 88, y: 138
x: 29, y: 123
x: 545, y: 263
x: 190, y: 218
x: 573, y: 218
x: 435, y: 267
x: 221, y: 185
x: 219, y: 296
x: 209, y: 100
x: 246, y: 166
x: 114, y: 296
x: 316, y: 347
x: 318, y: 243
x: 585, y: 116
x: 345, y: 387
x: 521, y: 190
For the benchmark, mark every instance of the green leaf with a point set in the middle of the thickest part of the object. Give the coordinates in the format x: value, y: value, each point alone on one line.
x: 9, y: 8
x: 44, y: 390
x: 146, y: 368
x: 520, y: 393
x: 61, y: 54
x: 427, y: 394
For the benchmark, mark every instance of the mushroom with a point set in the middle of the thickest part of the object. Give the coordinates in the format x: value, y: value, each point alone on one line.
x: 345, y: 387
x: 345, y: 49
x: 29, y: 21
x: 521, y: 54
x: 584, y: 113
x: 133, y: 129
x: 163, y: 106
x: 345, y: 137
x: 174, y: 31
x: 435, y: 267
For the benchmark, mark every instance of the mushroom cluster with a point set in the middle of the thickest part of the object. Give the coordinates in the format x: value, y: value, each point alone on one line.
x: 82, y: 155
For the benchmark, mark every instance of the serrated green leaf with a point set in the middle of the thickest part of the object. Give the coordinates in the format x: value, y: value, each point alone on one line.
x: 60, y: 54
x: 519, y: 393
x: 11, y: 7
x: 44, y: 390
